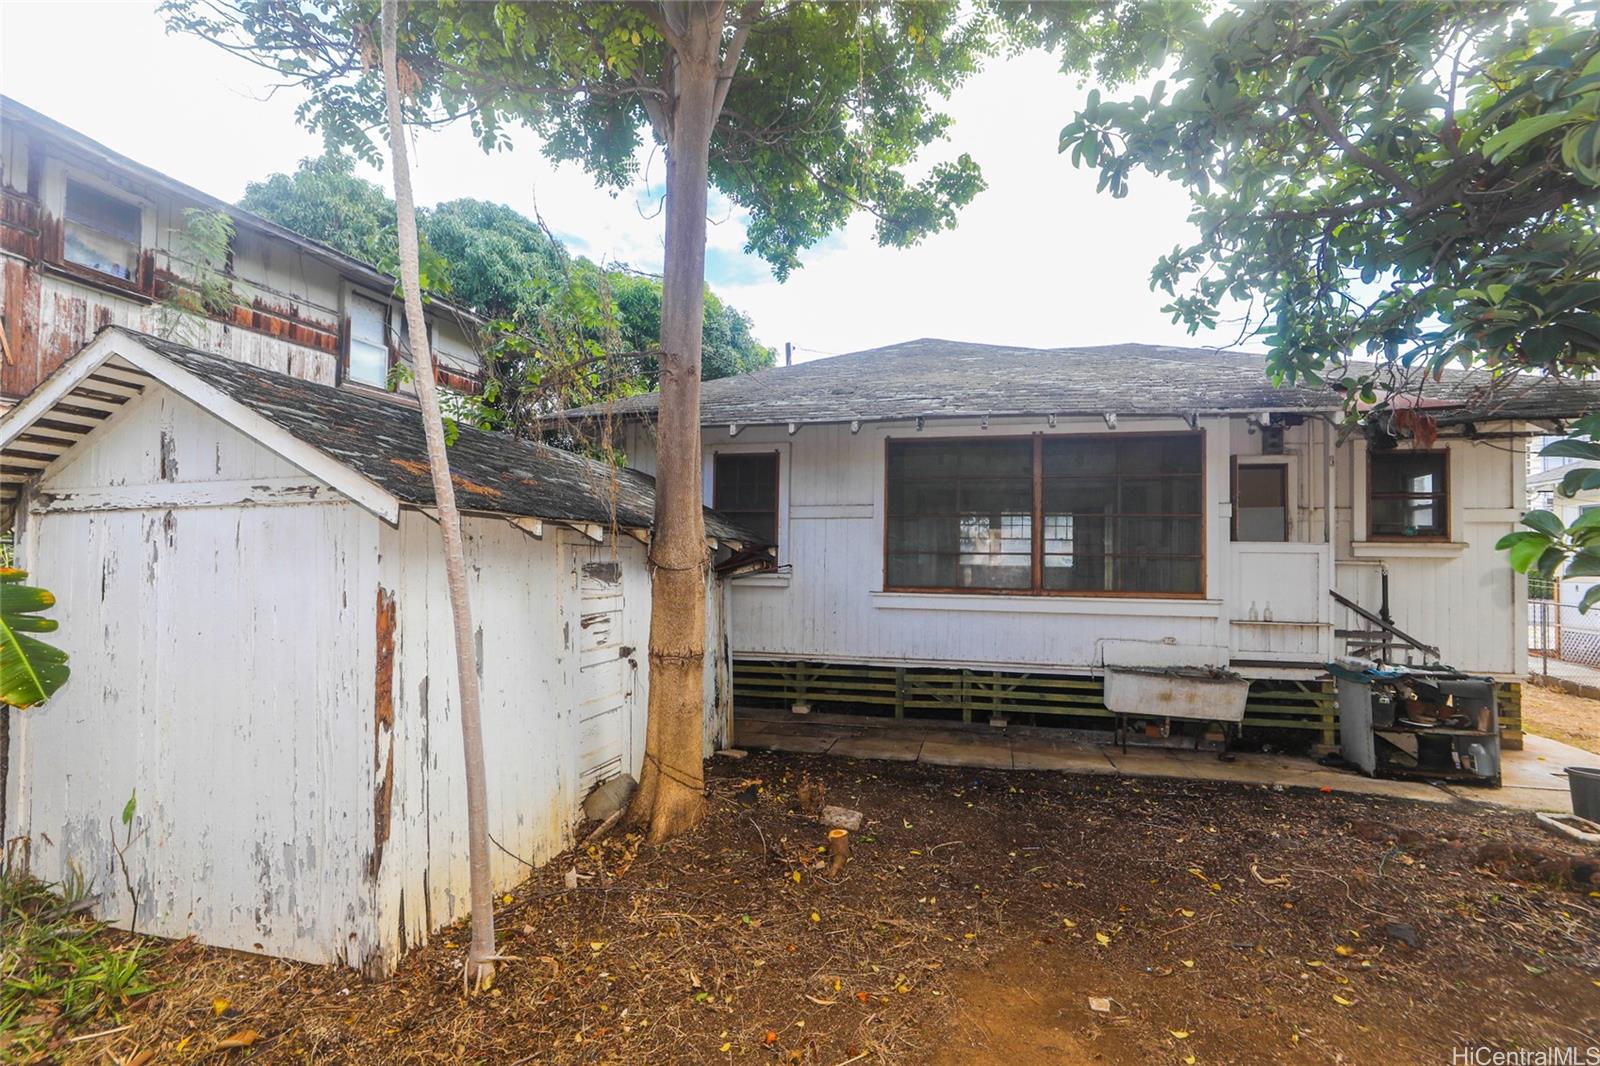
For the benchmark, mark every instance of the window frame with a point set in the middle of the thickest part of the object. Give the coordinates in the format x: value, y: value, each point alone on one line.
x: 1443, y: 497
x: 56, y: 255
x: 347, y: 324
x: 776, y: 458
x: 1038, y: 590
x: 1286, y: 473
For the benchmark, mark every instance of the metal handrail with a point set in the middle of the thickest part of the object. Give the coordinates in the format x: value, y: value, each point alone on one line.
x: 1428, y: 650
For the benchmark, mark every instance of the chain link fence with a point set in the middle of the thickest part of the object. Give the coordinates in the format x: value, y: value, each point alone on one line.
x: 1556, y: 631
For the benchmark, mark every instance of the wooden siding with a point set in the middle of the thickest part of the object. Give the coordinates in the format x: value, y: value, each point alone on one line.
x: 827, y: 606
x: 290, y: 312
x: 222, y: 665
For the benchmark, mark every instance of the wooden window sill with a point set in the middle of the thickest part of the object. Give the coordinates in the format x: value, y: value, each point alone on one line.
x: 1159, y: 606
x: 1418, y: 548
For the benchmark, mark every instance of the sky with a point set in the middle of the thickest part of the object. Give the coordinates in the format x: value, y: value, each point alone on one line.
x: 1039, y: 259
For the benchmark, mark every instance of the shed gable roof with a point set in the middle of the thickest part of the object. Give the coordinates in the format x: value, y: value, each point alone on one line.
x: 369, y: 448
x: 935, y: 378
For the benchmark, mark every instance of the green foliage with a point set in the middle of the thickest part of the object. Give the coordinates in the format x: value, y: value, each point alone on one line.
x: 30, y: 670
x: 550, y: 316
x: 202, y: 285
x: 1549, y: 549
x: 827, y: 115
x: 1414, y: 180
x: 56, y: 972
x: 324, y: 200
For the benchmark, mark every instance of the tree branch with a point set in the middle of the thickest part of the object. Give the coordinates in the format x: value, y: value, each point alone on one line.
x: 730, y: 62
x: 1330, y: 126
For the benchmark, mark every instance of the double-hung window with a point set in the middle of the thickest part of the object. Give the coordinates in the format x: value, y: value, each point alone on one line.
x: 367, y: 361
x: 1048, y: 515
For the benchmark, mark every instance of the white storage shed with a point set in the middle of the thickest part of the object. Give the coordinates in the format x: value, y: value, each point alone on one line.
x: 251, y: 589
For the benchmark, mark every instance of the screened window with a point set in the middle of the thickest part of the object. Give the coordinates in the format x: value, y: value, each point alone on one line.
x: 368, y: 361
x: 101, y: 232
x: 744, y: 486
x: 1407, y: 495
x: 1060, y: 514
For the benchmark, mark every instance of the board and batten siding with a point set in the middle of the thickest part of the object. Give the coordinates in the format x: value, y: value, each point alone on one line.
x: 828, y: 605
x: 1460, y: 595
x: 528, y: 625
x: 222, y: 669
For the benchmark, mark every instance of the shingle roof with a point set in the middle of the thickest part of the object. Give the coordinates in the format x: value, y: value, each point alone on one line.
x: 942, y: 379
x: 382, y: 439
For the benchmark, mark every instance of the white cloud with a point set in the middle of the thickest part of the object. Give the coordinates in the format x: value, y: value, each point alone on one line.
x: 1038, y: 259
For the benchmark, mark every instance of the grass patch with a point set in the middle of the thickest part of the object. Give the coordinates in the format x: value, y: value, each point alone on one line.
x: 57, y: 973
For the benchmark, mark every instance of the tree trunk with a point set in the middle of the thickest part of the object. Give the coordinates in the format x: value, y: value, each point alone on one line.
x: 5, y: 778
x: 481, y: 953
x: 671, y: 795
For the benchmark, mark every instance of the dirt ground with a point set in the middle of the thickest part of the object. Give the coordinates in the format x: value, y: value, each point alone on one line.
x: 983, y: 918
x: 1570, y: 719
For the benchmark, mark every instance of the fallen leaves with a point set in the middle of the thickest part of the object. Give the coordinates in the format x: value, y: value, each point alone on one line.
x: 243, y: 1038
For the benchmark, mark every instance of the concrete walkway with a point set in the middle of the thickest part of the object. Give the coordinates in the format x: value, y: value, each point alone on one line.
x: 1533, y: 778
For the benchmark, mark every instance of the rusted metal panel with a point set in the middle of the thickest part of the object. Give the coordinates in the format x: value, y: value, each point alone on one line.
x: 383, y: 728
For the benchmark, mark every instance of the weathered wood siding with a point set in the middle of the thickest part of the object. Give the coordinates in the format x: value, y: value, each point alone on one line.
x: 272, y: 669
x: 520, y: 596
x: 291, y: 302
x: 222, y: 666
x: 830, y: 606
x: 1460, y: 595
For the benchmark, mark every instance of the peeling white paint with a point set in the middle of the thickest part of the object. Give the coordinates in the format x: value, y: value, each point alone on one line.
x: 222, y: 623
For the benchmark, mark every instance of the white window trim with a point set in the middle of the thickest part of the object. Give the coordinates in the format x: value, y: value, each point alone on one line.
x: 1216, y: 493
x: 708, y: 489
x: 346, y: 303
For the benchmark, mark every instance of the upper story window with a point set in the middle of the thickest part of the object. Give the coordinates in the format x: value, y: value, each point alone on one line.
x: 101, y: 232
x: 367, y: 360
x: 1079, y: 514
x: 1408, y: 495
x: 744, y: 487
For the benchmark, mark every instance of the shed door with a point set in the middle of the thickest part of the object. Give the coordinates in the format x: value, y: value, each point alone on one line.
x: 605, y: 675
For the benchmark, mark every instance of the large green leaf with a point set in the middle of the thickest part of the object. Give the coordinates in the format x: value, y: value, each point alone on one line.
x: 1524, y: 553
x: 1543, y: 521
x: 1570, y: 448
x: 30, y: 669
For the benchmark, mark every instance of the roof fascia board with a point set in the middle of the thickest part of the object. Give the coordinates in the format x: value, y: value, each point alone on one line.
x: 265, y: 432
x: 36, y: 404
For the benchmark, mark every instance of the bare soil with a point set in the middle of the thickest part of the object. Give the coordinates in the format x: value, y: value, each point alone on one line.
x: 1570, y: 719
x: 980, y: 913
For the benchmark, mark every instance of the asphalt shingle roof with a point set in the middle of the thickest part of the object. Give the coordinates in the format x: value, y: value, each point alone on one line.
x: 943, y: 379
x: 382, y: 439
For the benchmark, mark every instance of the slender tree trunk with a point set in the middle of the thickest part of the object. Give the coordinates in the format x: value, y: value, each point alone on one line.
x: 481, y: 953
x: 671, y: 795
x: 5, y: 777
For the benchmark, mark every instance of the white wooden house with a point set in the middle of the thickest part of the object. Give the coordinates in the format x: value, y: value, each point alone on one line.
x: 974, y: 530
x: 250, y: 587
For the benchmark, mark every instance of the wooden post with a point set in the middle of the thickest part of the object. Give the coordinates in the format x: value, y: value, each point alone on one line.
x: 899, y: 692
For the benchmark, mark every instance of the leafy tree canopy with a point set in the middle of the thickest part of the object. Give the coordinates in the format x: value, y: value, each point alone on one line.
x: 1411, y: 180
x: 498, y: 262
